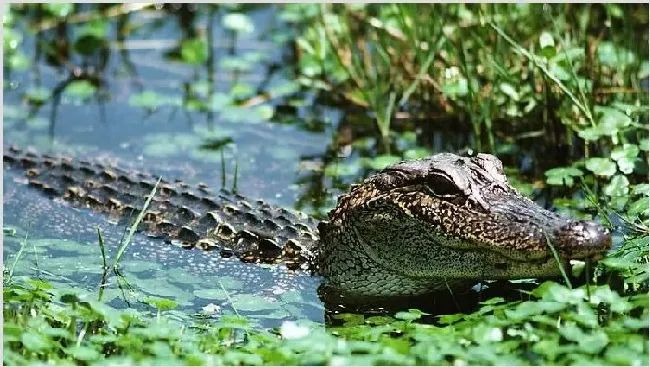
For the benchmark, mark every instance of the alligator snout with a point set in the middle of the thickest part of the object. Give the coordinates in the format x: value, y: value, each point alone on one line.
x: 582, y: 239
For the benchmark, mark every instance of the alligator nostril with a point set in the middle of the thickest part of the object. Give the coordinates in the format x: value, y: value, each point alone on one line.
x: 584, y: 235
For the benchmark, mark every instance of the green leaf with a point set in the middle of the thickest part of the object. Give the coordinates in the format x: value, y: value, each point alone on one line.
x: 215, y: 294
x: 643, y: 144
x: 160, y: 303
x: 37, y: 96
x: 147, y: 99
x: 625, y: 156
x: 559, y: 72
x: 264, y: 112
x: 547, y: 44
x: 382, y: 161
x: 39, y: 284
x: 639, y: 207
x: 238, y: 22
x: 12, y: 39
x: 84, y: 353
x: 457, y: 88
x: 411, y: 315
x: 60, y: 10
x: 614, y: 56
x: 509, y: 90
x: 592, y: 133
x: 617, y: 186
x: 80, y: 89
x: 249, y: 302
x: 562, y: 175
x: 34, y: 342
x: 194, y: 51
x: 612, y: 118
x: 18, y: 60
x: 342, y: 169
x: 89, y: 44
x: 601, y: 166
x: 642, y: 189
x: 219, y: 100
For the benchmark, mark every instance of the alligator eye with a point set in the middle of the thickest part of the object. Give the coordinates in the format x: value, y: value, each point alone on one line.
x: 441, y: 186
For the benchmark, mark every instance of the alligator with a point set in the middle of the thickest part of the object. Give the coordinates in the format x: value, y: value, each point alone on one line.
x: 440, y: 222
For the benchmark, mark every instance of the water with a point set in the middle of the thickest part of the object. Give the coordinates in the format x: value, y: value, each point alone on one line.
x: 263, y: 160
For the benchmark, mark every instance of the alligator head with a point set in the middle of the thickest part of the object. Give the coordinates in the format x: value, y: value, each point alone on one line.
x: 428, y: 224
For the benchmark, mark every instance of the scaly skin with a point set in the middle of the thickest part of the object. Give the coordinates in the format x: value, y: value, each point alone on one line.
x: 415, y: 227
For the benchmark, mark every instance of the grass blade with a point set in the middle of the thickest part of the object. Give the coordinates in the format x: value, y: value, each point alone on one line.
x: 126, y: 241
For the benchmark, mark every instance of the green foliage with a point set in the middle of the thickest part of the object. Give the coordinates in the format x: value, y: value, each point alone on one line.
x: 558, y: 326
x: 194, y: 51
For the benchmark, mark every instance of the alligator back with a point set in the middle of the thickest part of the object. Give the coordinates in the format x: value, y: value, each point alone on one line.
x: 195, y: 216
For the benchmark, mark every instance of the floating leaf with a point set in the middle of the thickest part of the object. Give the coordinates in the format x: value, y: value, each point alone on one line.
x: 160, y: 303
x: 194, y: 51
x: 147, y: 99
x: 215, y: 294
x: 238, y: 22
x: 81, y: 89
x: 250, y: 302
